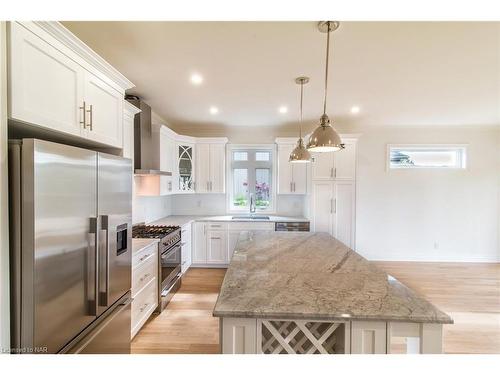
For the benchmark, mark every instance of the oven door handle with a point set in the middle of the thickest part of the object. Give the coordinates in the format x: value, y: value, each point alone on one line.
x: 169, y: 251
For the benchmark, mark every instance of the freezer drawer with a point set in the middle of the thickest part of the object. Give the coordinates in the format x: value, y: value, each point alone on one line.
x: 110, y: 334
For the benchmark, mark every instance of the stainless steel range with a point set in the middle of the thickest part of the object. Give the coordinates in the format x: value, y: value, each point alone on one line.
x: 169, y: 261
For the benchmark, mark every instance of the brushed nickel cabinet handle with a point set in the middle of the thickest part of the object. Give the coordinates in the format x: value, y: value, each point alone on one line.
x: 331, y: 172
x: 215, y: 238
x: 335, y: 206
x: 90, y: 122
x: 83, y: 108
x: 331, y: 206
x: 335, y: 172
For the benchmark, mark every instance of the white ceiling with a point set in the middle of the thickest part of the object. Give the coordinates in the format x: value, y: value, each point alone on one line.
x: 398, y: 73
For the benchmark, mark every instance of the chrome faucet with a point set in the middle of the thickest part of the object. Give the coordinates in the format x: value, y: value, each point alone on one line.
x: 252, y: 204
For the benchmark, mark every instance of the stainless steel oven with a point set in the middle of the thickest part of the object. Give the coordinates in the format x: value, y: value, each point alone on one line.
x: 170, y: 266
x: 169, y: 272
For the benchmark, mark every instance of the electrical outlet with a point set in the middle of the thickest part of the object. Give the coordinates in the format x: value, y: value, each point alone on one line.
x: 436, y: 245
x: 198, y: 203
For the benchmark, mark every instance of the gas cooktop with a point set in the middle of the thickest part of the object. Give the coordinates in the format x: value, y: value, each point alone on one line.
x: 153, y: 231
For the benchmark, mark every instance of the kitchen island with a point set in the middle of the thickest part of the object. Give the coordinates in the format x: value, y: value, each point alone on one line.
x: 309, y: 293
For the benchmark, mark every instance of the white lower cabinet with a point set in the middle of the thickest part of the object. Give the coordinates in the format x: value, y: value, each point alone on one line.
x: 186, y: 247
x: 368, y: 337
x: 216, y: 247
x: 232, y: 241
x: 144, y: 286
x: 215, y: 242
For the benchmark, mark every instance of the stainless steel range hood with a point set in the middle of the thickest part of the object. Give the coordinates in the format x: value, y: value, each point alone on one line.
x: 144, y: 161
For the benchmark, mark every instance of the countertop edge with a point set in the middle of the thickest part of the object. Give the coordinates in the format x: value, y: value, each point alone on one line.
x: 233, y: 314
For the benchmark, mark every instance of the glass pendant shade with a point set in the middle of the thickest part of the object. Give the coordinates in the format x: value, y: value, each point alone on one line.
x: 300, y: 153
x: 324, y: 138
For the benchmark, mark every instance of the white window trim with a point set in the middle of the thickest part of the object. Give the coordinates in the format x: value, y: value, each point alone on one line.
x: 229, y: 176
x: 425, y: 146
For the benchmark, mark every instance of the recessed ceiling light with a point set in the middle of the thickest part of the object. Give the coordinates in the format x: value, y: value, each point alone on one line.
x: 355, y: 109
x: 214, y: 110
x: 196, y: 79
x: 283, y: 109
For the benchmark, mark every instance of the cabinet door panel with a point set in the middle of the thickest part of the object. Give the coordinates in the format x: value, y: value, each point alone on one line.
x: 344, y: 212
x: 202, y: 168
x: 345, y: 162
x: 299, y: 178
x: 217, y: 168
x: 107, y: 109
x: 368, y: 337
x: 216, y: 246
x: 284, y: 169
x: 199, y: 248
x: 322, y: 166
x: 232, y: 241
x: 322, y: 207
x: 45, y: 84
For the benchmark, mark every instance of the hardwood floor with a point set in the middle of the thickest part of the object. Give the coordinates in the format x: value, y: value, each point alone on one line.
x: 470, y: 293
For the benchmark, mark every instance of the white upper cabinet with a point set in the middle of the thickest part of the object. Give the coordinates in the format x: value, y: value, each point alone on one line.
x: 292, y: 177
x: 345, y: 163
x: 104, y: 111
x: 185, y: 167
x: 46, y: 86
x: 210, y: 165
x: 129, y: 112
x: 202, y: 168
x: 338, y: 165
x: 218, y: 167
x: 57, y: 83
x: 322, y: 165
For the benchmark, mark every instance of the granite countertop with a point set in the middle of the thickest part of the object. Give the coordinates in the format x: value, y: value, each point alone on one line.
x: 140, y: 243
x: 313, y: 276
x: 180, y: 220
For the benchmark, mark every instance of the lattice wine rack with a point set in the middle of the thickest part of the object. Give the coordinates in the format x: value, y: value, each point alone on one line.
x: 302, y: 337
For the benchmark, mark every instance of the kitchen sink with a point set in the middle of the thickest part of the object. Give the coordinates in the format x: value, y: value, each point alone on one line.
x: 250, y: 217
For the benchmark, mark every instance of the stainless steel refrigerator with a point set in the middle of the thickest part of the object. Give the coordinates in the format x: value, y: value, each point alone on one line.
x: 71, y: 245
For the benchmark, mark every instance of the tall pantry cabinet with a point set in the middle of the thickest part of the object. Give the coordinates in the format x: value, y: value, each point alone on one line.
x: 333, y: 192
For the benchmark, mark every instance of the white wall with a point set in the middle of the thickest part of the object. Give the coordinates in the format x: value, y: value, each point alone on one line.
x: 4, y: 217
x: 431, y: 215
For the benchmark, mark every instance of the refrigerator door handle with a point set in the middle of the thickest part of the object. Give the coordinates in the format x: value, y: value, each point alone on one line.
x: 93, y: 267
x: 104, y: 295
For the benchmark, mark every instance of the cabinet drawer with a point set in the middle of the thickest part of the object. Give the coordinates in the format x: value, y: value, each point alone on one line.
x: 143, y: 274
x: 216, y: 226
x: 144, y: 304
x: 242, y: 226
x: 144, y: 255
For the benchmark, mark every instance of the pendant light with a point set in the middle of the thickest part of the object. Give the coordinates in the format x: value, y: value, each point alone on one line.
x: 300, y: 153
x: 325, y: 138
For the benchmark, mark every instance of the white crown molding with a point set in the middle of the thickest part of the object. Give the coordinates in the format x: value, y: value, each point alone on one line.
x: 221, y: 140
x: 69, y: 40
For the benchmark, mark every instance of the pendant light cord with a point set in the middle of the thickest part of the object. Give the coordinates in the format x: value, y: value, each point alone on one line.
x: 301, y: 99
x: 326, y: 68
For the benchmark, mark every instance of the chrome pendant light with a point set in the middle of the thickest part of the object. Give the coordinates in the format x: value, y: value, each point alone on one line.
x: 300, y: 153
x: 325, y: 138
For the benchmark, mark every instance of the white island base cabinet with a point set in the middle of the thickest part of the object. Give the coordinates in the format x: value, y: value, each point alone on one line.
x: 284, y: 336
